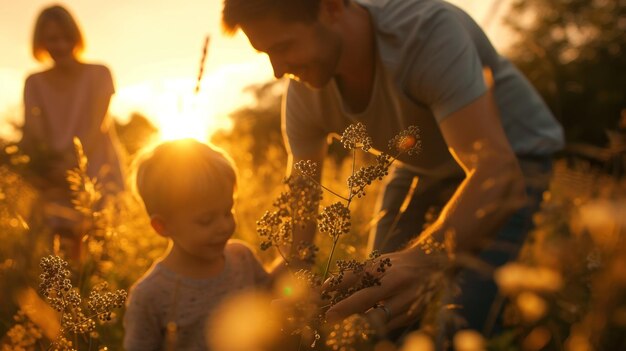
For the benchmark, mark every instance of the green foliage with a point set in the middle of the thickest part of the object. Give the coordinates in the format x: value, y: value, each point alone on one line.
x: 574, y: 53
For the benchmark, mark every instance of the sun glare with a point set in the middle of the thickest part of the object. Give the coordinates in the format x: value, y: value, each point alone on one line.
x: 174, y: 108
x: 178, y: 112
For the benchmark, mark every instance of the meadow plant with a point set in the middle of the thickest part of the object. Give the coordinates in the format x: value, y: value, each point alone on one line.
x: 76, y: 320
x: 112, y: 234
x: 298, y: 206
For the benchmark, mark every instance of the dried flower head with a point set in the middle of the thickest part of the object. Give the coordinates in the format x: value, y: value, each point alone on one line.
x: 55, y: 284
x: 77, y: 322
x: 366, y: 175
x: 306, y: 167
x: 295, y: 207
x: 335, y: 220
x: 62, y: 344
x: 355, y: 136
x: 366, y: 279
x: 311, y: 279
x: 102, y: 302
x: 307, y: 252
x: 23, y: 335
x: 407, y: 141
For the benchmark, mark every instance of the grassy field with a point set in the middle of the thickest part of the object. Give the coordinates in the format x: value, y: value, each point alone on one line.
x: 567, y: 292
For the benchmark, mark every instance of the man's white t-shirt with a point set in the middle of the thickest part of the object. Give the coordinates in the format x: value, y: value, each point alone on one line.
x: 430, y: 63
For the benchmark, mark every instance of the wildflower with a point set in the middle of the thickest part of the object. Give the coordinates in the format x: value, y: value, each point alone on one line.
x: 431, y: 246
x: 77, y: 322
x: 267, y: 227
x: 408, y: 141
x: 356, y: 136
x: 55, y: 282
x: 307, y: 252
x: 307, y: 168
x: 62, y: 344
x: 366, y: 279
x: 24, y: 335
x: 366, y: 175
x: 311, y: 279
x: 101, y: 302
x: 335, y: 220
x: 57, y: 288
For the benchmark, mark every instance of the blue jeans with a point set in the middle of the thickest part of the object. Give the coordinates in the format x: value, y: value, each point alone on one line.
x: 478, y: 292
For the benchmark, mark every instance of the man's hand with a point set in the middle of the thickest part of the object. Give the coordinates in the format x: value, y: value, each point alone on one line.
x: 404, y: 289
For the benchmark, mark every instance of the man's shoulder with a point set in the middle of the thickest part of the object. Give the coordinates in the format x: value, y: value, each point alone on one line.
x: 301, y: 99
x: 301, y: 91
x: 393, y: 15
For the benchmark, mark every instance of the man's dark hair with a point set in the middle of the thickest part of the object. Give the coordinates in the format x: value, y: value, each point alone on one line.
x: 236, y: 12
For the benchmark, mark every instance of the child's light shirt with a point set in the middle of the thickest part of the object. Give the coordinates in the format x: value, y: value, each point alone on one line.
x: 163, y: 297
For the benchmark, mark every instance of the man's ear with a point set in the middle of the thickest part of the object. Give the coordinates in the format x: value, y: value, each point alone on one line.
x: 158, y: 224
x: 332, y: 10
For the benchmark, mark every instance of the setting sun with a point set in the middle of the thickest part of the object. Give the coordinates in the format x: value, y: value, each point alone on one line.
x: 175, y: 109
x: 178, y: 112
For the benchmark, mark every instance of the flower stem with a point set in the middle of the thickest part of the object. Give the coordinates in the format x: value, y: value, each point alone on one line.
x: 330, y: 257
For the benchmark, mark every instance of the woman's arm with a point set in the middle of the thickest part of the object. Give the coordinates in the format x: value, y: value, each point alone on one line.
x: 99, y: 123
x: 33, y: 128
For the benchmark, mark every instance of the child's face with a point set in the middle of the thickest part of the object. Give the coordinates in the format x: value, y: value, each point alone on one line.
x: 202, y: 230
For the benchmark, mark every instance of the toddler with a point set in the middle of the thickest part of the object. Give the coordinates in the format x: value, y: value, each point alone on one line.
x: 188, y: 190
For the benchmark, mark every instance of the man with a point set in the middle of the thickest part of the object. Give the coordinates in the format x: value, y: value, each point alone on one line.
x: 391, y: 64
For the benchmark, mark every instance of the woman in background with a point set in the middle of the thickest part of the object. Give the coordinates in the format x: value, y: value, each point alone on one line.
x: 69, y: 99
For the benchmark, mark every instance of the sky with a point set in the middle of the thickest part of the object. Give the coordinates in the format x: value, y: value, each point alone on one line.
x: 153, y: 49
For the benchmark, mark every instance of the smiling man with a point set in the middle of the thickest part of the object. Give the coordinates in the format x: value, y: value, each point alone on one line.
x: 486, y: 134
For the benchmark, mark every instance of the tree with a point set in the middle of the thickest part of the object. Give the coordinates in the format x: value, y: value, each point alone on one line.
x: 135, y: 134
x: 574, y: 52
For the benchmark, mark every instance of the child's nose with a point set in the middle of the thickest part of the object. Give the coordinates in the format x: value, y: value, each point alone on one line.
x: 227, y: 224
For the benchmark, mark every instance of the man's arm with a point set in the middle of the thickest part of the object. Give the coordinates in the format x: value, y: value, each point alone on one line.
x: 494, y: 185
x: 492, y: 191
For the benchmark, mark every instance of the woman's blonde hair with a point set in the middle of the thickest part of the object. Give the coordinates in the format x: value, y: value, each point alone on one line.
x: 62, y: 16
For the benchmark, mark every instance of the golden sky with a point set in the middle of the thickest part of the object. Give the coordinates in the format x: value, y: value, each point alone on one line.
x: 153, y: 48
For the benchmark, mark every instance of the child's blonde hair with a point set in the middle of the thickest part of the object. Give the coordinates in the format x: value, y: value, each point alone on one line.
x: 177, y: 173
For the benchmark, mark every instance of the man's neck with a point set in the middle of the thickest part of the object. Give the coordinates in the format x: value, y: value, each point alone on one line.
x: 356, y: 63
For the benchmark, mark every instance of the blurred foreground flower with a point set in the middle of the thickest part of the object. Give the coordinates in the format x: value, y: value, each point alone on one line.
x: 516, y: 277
x: 604, y: 220
x: 418, y: 341
x: 244, y: 323
x: 57, y: 289
x: 469, y: 340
